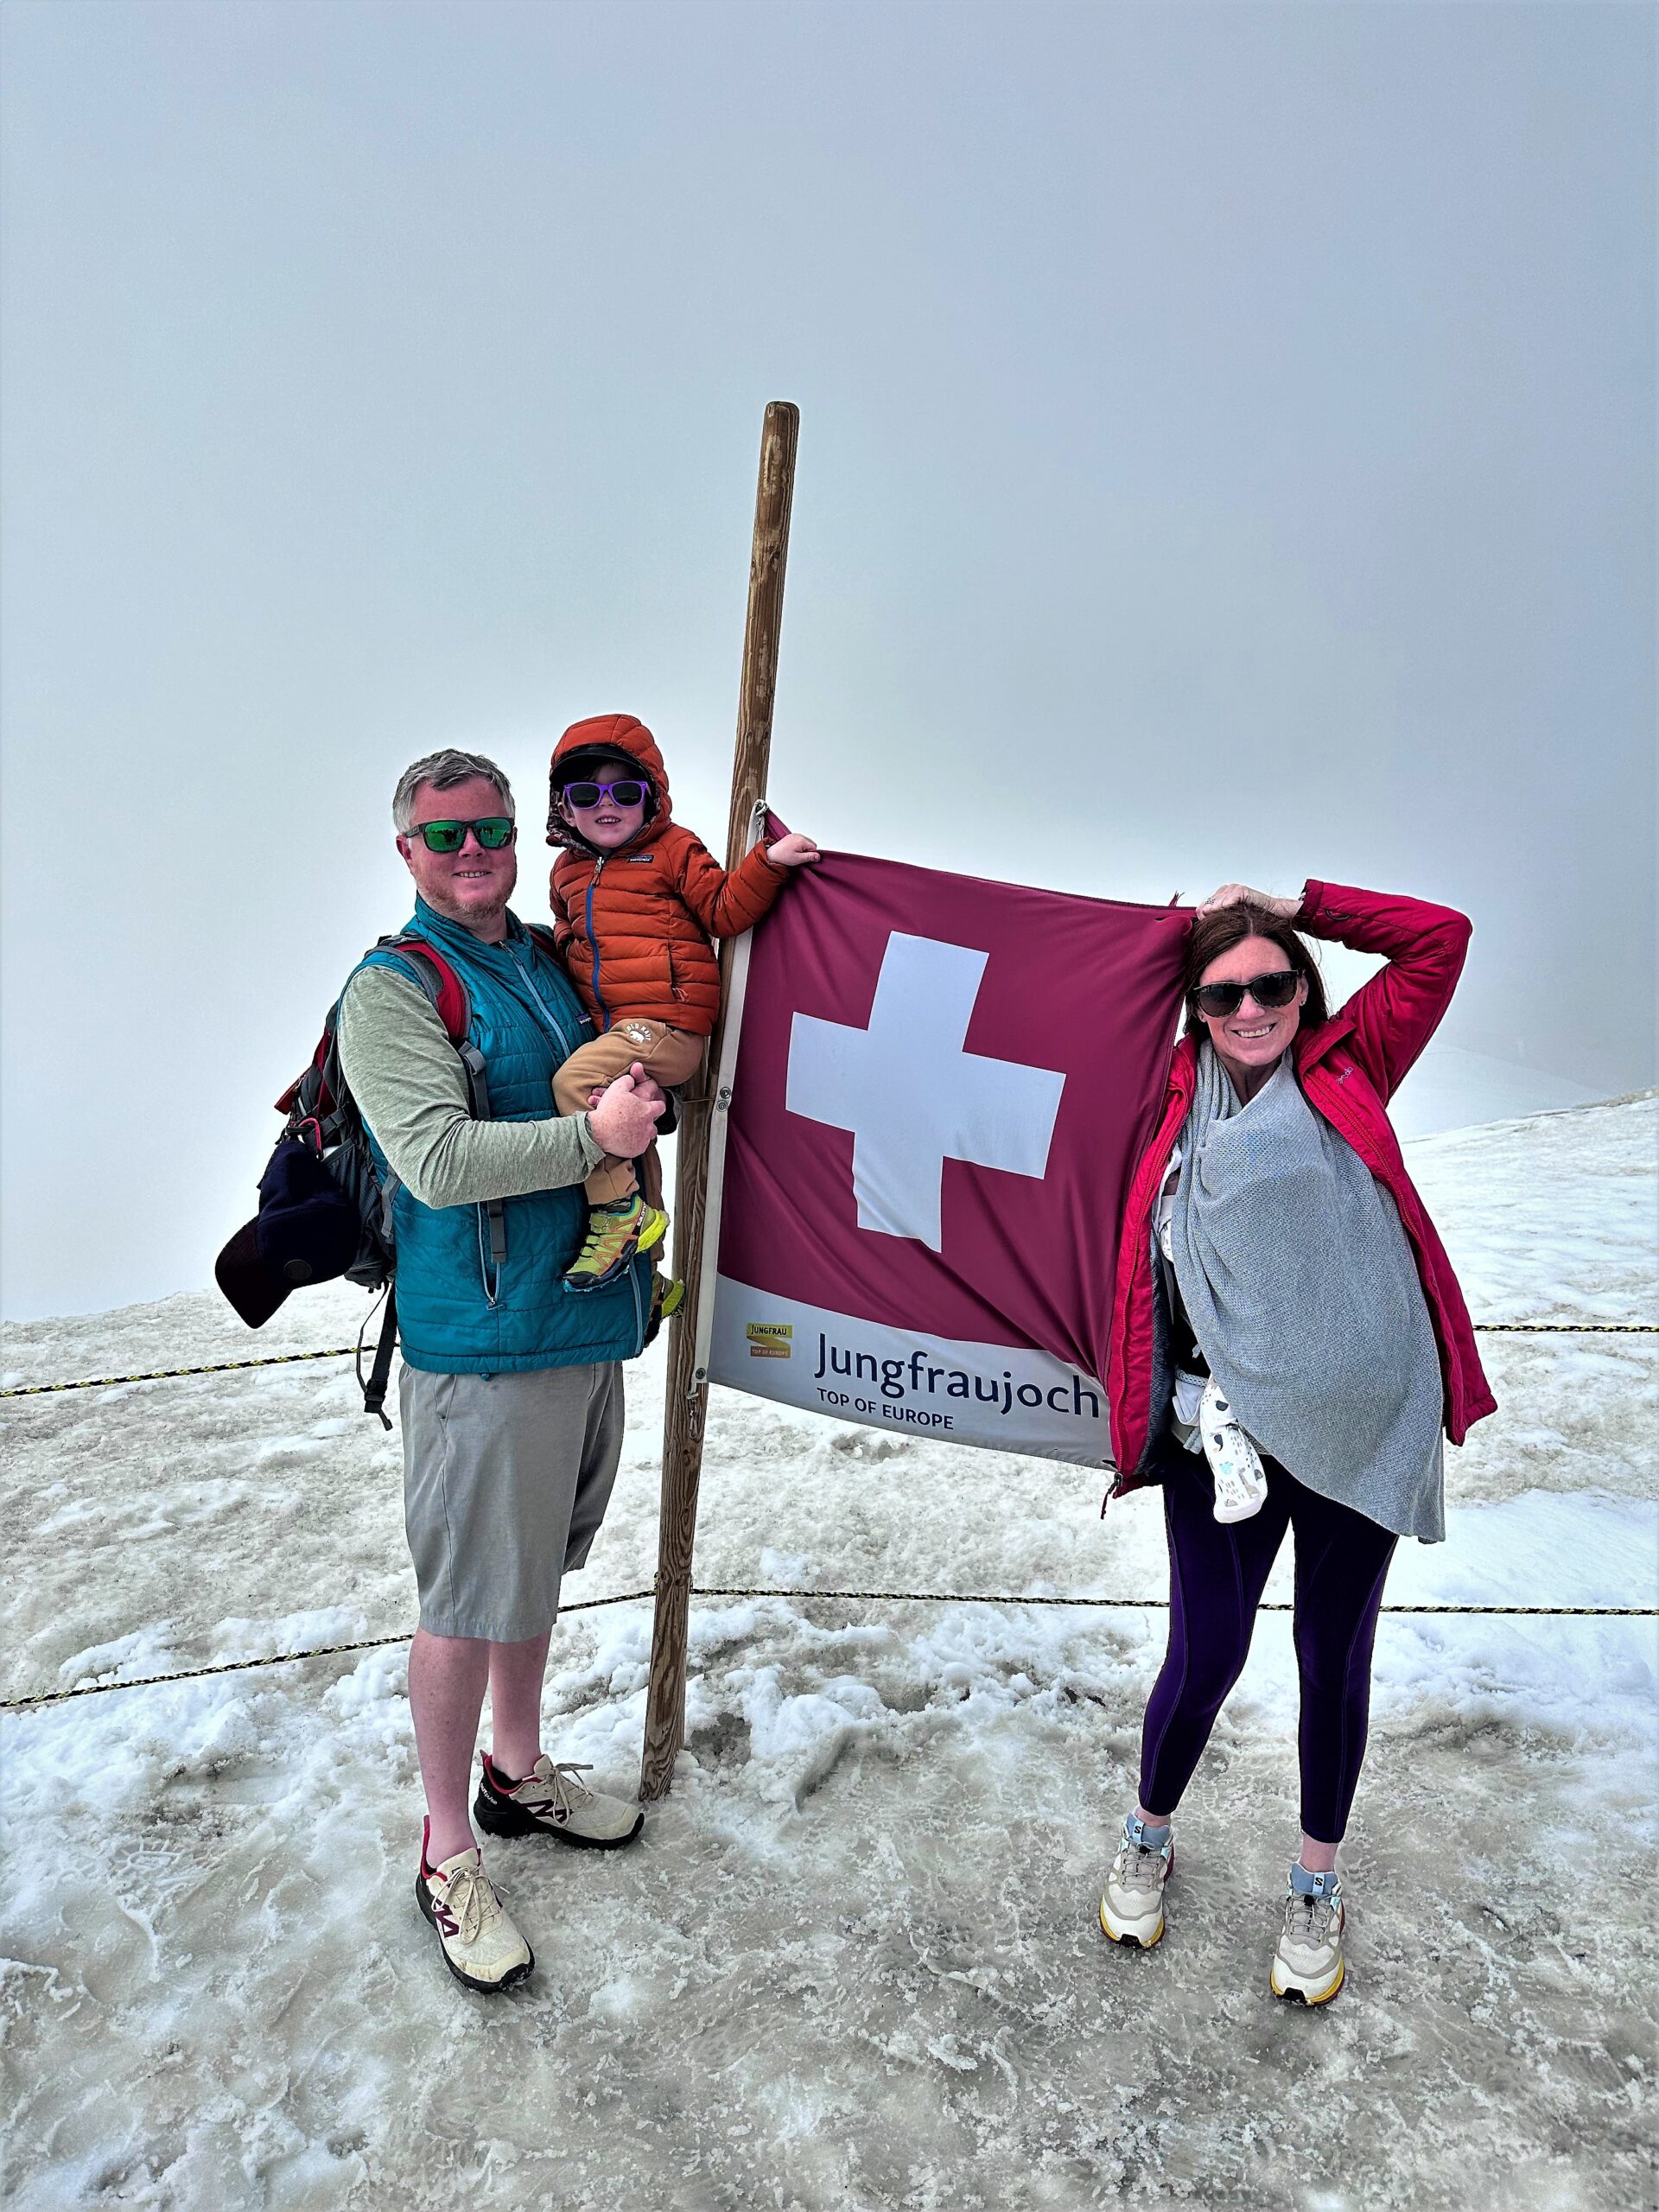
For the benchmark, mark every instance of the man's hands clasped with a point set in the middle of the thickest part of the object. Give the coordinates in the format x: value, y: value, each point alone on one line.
x: 624, y: 1116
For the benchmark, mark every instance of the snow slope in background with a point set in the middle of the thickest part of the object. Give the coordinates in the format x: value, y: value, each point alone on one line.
x: 1450, y: 1087
x: 853, y: 1960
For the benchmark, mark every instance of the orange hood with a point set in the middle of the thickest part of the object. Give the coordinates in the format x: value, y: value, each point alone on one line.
x: 627, y: 736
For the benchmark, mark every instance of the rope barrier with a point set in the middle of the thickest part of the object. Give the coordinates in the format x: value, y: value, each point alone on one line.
x: 171, y: 1374
x: 347, y: 1352
x: 1568, y: 1328
x: 276, y: 1659
x: 907, y: 1597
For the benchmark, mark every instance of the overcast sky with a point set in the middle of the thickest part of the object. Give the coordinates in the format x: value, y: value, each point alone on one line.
x: 1227, y: 450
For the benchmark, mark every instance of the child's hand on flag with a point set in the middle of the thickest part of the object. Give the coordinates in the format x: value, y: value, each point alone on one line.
x: 793, y: 851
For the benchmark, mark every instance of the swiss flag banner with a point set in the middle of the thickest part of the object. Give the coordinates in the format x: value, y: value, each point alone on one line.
x: 940, y: 1088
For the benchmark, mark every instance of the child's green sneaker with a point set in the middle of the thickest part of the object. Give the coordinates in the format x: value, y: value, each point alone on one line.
x: 615, y: 1233
x: 667, y: 1296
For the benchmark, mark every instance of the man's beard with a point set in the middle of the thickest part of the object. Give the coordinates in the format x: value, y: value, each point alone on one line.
x: 486, y: 919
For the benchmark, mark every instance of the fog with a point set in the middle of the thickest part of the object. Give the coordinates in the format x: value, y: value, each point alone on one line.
x: 1227, y: 450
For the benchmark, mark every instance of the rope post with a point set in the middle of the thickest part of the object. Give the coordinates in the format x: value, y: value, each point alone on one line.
x: 688, y: 1395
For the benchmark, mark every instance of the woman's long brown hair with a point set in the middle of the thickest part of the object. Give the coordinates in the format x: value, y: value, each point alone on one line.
x: 1214, y: 934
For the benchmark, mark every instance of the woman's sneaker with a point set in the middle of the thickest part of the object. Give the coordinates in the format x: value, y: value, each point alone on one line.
x: 615, y: 1232
x: 550, y: 1801
x: 1132, y: 1910
x: 1307, y: 1964
x: 481, y: 1946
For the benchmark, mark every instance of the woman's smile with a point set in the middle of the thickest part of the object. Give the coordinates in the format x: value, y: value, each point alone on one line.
x: 1251, y: 1037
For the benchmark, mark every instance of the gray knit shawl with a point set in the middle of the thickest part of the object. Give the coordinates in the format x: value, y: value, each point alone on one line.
x: 1304, y: 1296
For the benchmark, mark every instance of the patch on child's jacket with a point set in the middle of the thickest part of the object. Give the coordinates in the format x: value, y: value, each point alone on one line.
x: 637, y: 1032
x: 641, y: 860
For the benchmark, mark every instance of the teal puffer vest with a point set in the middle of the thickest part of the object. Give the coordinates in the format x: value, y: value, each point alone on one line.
x: 457, y: 1312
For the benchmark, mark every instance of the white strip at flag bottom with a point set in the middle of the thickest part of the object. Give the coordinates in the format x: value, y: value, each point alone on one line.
x: 1000, y: 1395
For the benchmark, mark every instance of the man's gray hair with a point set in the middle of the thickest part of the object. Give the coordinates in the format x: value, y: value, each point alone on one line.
x: 443, y: 770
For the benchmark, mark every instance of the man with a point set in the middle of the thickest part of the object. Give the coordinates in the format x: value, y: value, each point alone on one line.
x: 511, y: 1392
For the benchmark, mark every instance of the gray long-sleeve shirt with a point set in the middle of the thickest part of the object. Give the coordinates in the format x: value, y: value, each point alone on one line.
x: 411, y: 1090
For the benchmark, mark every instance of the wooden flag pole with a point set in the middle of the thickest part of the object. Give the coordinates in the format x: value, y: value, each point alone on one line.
x: 688, y: 1395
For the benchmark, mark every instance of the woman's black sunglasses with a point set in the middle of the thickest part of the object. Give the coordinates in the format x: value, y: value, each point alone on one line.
x: 1270, y: 991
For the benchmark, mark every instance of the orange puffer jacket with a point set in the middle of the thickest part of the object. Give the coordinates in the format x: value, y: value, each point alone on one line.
x: 634, y: 924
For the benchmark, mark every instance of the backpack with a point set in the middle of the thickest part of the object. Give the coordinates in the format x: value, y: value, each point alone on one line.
x: 322, y: 1197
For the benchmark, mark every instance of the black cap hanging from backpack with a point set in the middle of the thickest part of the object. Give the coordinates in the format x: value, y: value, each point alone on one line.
x: 307, y: 1230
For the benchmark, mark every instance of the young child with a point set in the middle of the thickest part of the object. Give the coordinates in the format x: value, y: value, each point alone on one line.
x: 635, y: 900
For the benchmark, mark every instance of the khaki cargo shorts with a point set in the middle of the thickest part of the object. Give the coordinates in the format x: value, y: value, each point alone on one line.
x: 506, y: 1479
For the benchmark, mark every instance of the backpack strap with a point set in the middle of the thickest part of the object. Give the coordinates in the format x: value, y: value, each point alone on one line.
x: 478, y: 1097
x: 448, y: 995
x: 453, y: 1004
x: 441, y: 982
x: 374, y: 1390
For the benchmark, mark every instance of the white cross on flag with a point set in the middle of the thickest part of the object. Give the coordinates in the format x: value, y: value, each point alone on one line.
x: 940, y: 1088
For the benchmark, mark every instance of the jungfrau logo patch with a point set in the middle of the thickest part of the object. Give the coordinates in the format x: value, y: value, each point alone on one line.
x: 770, y: 1339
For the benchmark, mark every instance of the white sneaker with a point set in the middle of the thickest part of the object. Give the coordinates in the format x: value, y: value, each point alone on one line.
x: 1307, y: 1964
x: 1236, y: 1470
x: 481, y: 1946
x: 550, y: 1801
x: 1132, y: 1910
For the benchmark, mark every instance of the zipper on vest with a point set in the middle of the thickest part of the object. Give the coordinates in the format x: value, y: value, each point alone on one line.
x: 489, y: 1270
x: 560, y: 1034
x: 599, y: 996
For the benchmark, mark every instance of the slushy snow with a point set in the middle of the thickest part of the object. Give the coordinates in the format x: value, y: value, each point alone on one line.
x: 853, y: 1961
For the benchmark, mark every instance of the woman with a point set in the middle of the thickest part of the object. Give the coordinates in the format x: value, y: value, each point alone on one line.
x: 1288, y: 1341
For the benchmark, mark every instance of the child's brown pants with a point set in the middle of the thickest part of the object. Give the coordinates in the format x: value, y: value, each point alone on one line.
x: 669, y: 1055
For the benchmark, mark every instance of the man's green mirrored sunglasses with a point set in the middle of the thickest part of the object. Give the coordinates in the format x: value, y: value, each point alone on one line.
x: 492, y: 831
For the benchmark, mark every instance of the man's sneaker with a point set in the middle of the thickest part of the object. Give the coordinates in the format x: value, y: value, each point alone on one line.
x: 1307, y: 1964
x: 1132, y: 1911
x: 615, y: 1233
x: 481, y: 1946
x: 550, y: 1801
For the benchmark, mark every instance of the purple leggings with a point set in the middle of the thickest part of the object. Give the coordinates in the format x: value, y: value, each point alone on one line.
x: 1216, y: 1576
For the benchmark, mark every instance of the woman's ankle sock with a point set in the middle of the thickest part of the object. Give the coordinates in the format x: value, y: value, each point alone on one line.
x: 1305, y: 1885
x: 1151, y: 1835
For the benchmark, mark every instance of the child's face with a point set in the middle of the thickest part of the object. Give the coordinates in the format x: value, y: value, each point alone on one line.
x: 607, y: 824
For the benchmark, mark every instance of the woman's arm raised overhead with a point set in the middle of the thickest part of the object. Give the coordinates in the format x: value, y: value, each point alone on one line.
x: 1398, y: 1010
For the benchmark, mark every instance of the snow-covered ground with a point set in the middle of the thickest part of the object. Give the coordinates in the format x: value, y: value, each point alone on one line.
x: 853, y: 1961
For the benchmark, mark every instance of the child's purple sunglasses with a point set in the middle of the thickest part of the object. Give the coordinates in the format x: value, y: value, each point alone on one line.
x: 628, y: 791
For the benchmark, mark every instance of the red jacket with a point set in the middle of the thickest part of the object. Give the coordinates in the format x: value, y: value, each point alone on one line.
x: 1350, y: 1066
x: 634, y: 924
